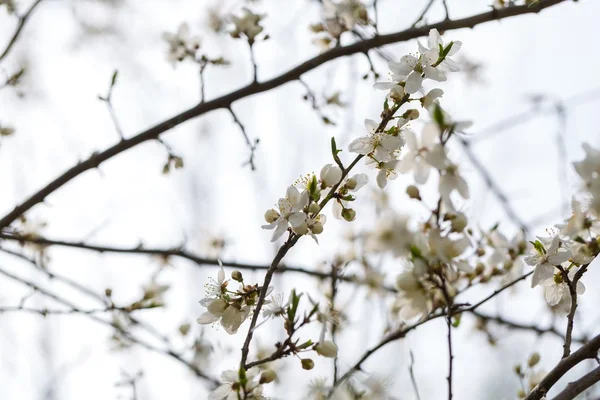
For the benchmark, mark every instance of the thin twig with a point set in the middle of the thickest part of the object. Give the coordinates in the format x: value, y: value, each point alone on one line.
x: 493, y: 186
x: 422, y: 15
x: 108, y: 100
x: 446, y: 10
x: 402, y: 332
x: 412, y: 375
x: 122, y: 331
x: 251, y: 146
x: 254, y: 65
x: 225, y: 101
x: 571, y: 317
x: 22, y: 21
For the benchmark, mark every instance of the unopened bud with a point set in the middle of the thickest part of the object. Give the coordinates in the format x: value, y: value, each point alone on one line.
x: 533, y: 359
x: 307, y: 364
x: 237, y: 276
x: 518, y: 369
x: 521, y: 394
x: 411, y: 114
x: 351, y: 183
x: 317, y: 228
x: 108, y: 292
x: 267, y: 376
x: 184, y: 329
x: 327, y: 349
x: 413, y: 192
x: 459, y: 222
x: 348, y: 214
x: 314, y: 208
x: 271, y: 216
x: 301, y: 229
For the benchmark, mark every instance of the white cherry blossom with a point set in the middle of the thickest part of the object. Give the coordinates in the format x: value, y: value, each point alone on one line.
x: 546, y: 253
x: 289, y: 212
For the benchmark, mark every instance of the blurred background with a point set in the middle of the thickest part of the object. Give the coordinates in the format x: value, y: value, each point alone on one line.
x: 530, y: 85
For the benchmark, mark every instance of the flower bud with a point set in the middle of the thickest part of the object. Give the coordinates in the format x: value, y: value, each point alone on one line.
x: 301, y: 229
x: 518, y: 369
x: 108, y: 292
x: 237, y: 276
x: 330, y: 175
x: 327, y: 349
x: 317, y: 228
x: 411, y: 114
x: 267, y: 376
x: 271, y: 216
x: 314, y: 208
x: 308, y: 364
x: 521, y: 394
x: 351, y: 183
x: 348, y: 214
x: 184, y: 329
x: 459, y: 222
x: 533, y: 359
x: 413, y: 192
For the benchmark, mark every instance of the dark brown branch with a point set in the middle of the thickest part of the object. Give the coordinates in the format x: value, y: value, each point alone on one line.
x: 175, y: 252
x: 571, y: 317
x: 22, y: 21
x: 587, y: 351
x: 578, y: 386
x: 225, y: 101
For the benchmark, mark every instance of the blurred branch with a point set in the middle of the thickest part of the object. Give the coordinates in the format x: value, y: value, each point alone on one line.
x: 168, y: 352
x: 22, y: 21
x: 253, y: 88
x: 174, y: 252
x: 423, y: 14
x: 493, y: 186
x: 251, y: 145
x: 520, y: 326
x: 525, y: 116
x: 403, y: 331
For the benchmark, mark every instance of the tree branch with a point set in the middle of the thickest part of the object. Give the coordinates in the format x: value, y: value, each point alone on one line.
x: 225, y: 101
x: 587, y: 351
x: 578, y: 386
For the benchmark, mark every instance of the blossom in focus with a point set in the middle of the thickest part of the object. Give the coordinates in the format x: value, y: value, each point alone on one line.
x: 289, y: 212
x: 556, y: 287
x: 380, y: 145
x: 544, y: 259
x: 231, y: 387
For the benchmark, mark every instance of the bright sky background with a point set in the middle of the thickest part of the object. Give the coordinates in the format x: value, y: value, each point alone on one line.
x: 71, y: 47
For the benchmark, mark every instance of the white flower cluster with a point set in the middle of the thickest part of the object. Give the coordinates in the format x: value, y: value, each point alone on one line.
x: 339, y: 17
x: 558, y: 258
x: 234, y: 387
x: 300, y: 210
x: 230, y: 308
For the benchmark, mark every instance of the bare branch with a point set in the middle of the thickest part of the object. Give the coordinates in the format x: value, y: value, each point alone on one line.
x: 225, y: 101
